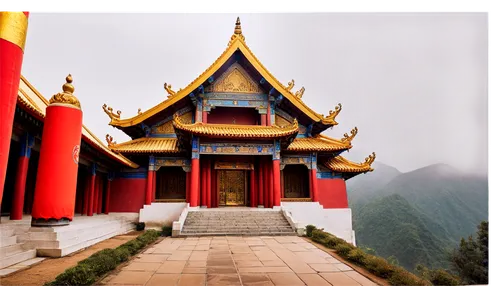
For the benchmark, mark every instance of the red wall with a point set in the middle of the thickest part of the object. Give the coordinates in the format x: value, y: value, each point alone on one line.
x: 240, y: 115
x: 127, y: 194
x: 332, y: 193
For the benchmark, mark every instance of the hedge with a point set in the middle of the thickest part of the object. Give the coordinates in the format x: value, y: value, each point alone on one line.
x: 89, y: 270
x: 394, y: 274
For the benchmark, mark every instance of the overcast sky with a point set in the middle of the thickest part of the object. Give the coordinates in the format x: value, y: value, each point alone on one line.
x: 415, y: 85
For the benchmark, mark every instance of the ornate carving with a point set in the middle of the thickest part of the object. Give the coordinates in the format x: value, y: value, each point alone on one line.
x: 109, y: 139
x: 235, y: 79
x: 66, y: 96
x: 237, y: 31
x: 220, y: 165
x: 348, y: 138
x: 290, y: 85
x: 299, y: 93
x: 330, y: 119
x: 169, y: 90
x: 168, y: 127
x: 139, y: 111
x: 369, y: 160
x: 109, y: 112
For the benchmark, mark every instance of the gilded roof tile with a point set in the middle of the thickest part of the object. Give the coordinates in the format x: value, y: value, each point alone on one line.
x: 320, y: 143
x: 234, y: 130
x: 147, y: 145
x: 34, y: 101
x: 342, y: 165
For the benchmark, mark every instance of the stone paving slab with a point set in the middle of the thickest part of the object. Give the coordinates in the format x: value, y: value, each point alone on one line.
x: 234, y: 260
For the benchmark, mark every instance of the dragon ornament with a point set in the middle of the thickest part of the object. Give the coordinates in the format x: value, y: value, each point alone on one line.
x: 109, y: 111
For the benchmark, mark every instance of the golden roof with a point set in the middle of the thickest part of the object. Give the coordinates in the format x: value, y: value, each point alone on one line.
x: 237, y: 42
x: 342, y: 165
x: 235, y: 130
x: 147, y: 145
x: 29, y: 97
x: 319, y: 143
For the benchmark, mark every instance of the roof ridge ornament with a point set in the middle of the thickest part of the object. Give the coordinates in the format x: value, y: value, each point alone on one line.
x: 330, y: 119
x: 369, y: 160
x: 139, y: 111
x: 348, y: 138
x: 237, y: 32
x: 66, y: 97
x: 109, y: 112
x: 291, y: 84
x: 109, y: 139
x: 169, y: 90
x: 300, y: 92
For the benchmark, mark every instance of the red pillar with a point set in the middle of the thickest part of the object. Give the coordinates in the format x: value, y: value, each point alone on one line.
x: 277, y: 182
x: 86, y: 194
x: 311, y: 186
x: 263, y: 119
x: 195, y: 182
x: 314, y: 185
x: 203, y: 183
x: 253, y: 193
x: 12, y: 38
x: 270, y: 184
x: 108, y: 195
x: 55, y: 191
x: 261, y: 183
x: 268, y: 113
x: 22, y: 171
x: 153, y: 195
x: 90, y: 205
x: 204, y: 117
x: 209, y: 184
x: 149, y: 187
x: 101, y: 192
x: 188, y: 186
x: 96, y: 193
x: 213, y: 181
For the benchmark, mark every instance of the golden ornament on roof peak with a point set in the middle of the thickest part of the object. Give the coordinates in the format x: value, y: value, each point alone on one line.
x: 330, y: 119
x: 369, y: 160
x: 66, y: 97
x: 109, y: 139
x: 237, y: 31
x: 290, y: 85
x: 300, y: 92
x: 348, y: 138
x: 110, y: 113
x: 169, y: 90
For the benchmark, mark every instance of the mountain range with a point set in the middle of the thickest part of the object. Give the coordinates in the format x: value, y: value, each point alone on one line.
x: 418, y: 216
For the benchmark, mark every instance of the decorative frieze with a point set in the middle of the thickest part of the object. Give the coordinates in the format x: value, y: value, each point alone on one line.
x: 232, y: 148
x: 220, y: 165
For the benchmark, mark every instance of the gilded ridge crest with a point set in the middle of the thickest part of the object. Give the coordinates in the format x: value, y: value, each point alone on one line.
x: 369, y: 160
x: 291, y: 84
x: 300, y: 92
x: 348, y: 138
x: 169, y: 90
x: 237, y: 32
x: 110, y: 141
x: 66, y: 96
x: 330, y: 119
x: 110, y: 113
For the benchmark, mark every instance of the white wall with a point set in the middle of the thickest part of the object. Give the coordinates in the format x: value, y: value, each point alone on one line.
x: 160, y: 214
x: 335, y: 221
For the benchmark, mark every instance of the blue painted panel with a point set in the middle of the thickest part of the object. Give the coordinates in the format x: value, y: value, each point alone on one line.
x: 134, y: 175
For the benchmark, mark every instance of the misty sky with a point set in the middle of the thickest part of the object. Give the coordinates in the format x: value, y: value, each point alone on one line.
x: 415, y: 85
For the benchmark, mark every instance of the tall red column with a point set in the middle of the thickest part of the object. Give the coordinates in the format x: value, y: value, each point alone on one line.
x: 86, y: 194
x: 261, y: 183
x: 276, y: 182
x: 55, y: 191
x: 90, y: 205
x: 101, y: 193
x: 209, y: 184
x: 22, y: 172
x: 195, y: 182
x: 108, y: 194
x: 253, y: 193
x: 96, y: 193
x: 204, y: 117
x: 153, y: 195
x: 13, y: 28
x: 149, y: 187
x: 270, y: 184
x: 263, y: 119
x: 203, y: 183
x: 314, y: 185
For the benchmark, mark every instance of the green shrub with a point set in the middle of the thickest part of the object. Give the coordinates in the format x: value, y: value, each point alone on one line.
x: 441, y: 277
x: 166, y: 231
x: 333, y: 241
x: 101, y: 262
x: 379, y: 266
x: 402, y: 277
x: 140, y: 226
x: 357, y: 256
x: 122, y: 254
x: 132, y: 246
x: 319, y: 236
x: 343, y: 249
x: 309, y: 229
x: 78, y: 275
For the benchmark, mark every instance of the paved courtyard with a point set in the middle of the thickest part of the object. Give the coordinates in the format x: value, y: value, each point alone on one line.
x: 278, y: 260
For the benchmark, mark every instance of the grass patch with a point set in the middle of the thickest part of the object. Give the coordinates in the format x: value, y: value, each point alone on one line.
x: 378, y: 266
x: 89, y: 270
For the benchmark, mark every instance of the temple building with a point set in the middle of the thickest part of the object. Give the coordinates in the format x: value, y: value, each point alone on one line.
x: 234, y: 137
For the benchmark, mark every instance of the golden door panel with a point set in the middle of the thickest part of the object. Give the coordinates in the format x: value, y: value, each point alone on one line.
x: 232, y: 187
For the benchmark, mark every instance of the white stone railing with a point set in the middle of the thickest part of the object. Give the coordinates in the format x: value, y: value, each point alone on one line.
x: 177, y: 225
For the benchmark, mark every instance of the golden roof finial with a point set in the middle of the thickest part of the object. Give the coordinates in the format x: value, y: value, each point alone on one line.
x: 66, y: 97
x: 169, y: 90
x: 369, y: 160
x: 237, y: 31
x: 290, y: 85
x: 299, y: 93
x: 109, y: 112
x: 330, y: 119
x: 348, y: 138
x: 139, y: 111
x: 109, y: 139
x: 237, y: 28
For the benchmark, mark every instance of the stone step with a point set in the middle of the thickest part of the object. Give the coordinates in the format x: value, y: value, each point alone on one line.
x: 6, y: 261
x: 238, y: 234
x: 6, y: 232
x: 8, y: 240
x: 15, y: 248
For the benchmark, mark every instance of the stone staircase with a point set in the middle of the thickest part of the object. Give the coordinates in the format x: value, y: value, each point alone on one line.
x: 12, y: 250
x: 236, y: 222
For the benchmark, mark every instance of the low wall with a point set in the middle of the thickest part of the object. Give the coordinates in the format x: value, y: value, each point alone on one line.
x: 157, y: 215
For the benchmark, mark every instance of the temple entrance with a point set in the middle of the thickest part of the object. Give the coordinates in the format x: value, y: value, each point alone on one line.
x: 296, y: 181
x: 170, y: 184
x: 232, y: 187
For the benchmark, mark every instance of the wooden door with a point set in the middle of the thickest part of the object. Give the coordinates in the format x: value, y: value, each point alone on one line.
x: 232, y: 186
